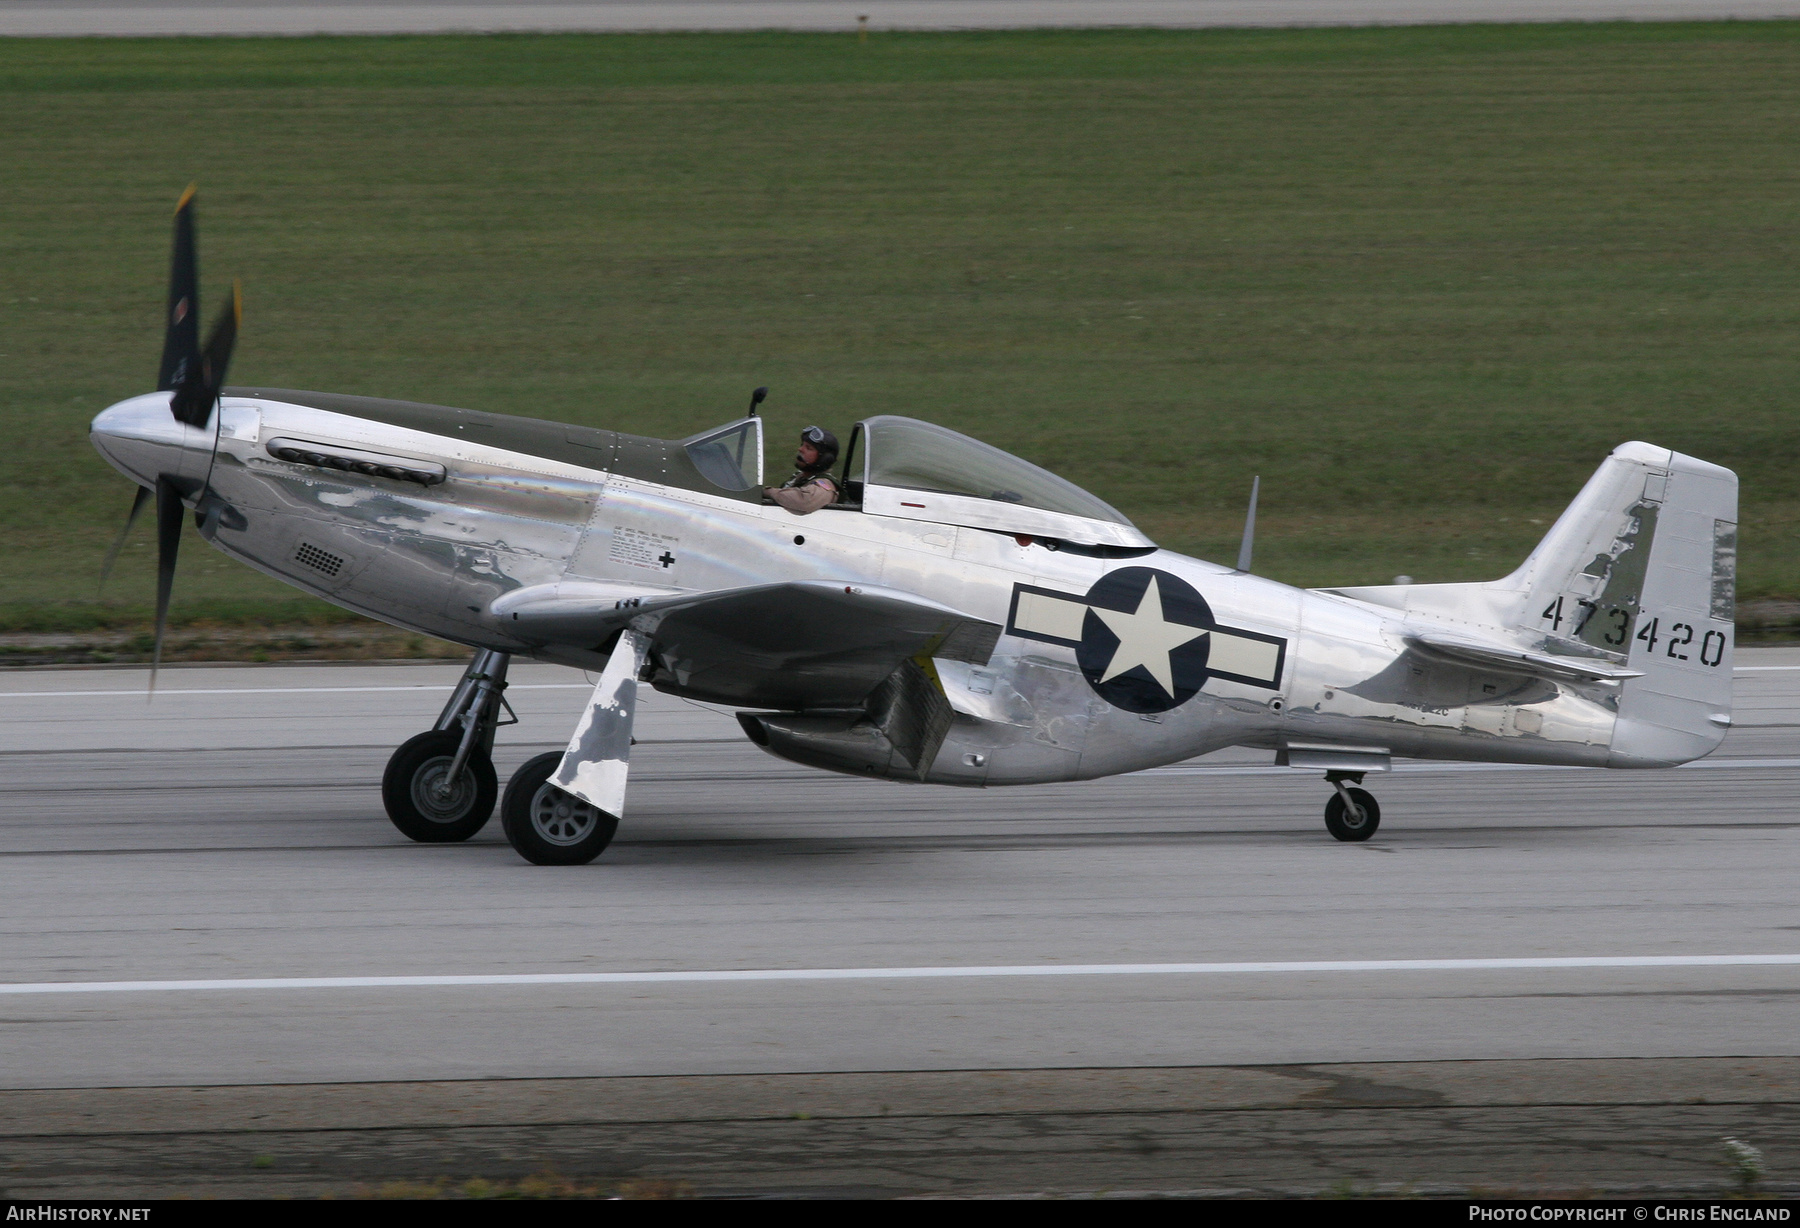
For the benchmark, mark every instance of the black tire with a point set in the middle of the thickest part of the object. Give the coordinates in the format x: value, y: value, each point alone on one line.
x: 408, y: 789
x: 548, y: 827
x: 1345, y: 826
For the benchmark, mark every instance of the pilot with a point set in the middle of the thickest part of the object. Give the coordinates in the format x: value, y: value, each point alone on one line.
x: 812, y: 486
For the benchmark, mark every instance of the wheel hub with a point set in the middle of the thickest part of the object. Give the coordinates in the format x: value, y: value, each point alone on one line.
x: 437, y: 797
x: 561, y: 818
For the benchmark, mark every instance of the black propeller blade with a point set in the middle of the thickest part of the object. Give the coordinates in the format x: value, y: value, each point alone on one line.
x: 168, y: 540
x: 181, y: 336
x: 216, y: 358
x: 193, y: 376
x: 112, y: 556
x: 214, y: 361
x: 198, y: 390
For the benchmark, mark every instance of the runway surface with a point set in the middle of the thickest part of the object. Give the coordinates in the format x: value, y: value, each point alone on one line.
x: 203, y: 892
x: 295, y: 17
x: 232, y: 832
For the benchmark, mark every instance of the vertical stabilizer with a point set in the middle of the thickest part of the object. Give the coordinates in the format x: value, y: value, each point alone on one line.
x: 1642, y: 568
x: 1640, y: 573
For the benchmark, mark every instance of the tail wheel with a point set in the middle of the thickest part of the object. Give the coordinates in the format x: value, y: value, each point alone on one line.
x: 1352, y: 825
x: 427, y: 806
x: 547, y: 826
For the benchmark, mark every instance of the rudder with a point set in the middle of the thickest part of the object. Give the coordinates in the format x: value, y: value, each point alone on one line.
x: 1681, y: 708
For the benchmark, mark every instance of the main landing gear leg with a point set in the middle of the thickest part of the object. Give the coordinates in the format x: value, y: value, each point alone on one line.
x: 1351, y: 814
x: 562, y: 808
x: 440, y: 786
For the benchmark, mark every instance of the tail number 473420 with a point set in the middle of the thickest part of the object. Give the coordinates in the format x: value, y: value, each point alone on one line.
x: 1677, y: 641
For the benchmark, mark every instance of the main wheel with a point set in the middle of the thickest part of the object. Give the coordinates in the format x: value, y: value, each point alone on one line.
x: 1344, y: 825
x: 413, y: 789
x: 548, y: 827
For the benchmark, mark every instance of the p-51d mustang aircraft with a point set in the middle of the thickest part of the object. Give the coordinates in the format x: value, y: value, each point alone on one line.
x: 960, y: 617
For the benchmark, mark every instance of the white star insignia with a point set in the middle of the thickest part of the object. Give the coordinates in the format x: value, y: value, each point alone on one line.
x: 1146, y: 638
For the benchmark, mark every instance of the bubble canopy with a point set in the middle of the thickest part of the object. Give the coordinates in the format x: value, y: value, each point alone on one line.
x: 922, y: 471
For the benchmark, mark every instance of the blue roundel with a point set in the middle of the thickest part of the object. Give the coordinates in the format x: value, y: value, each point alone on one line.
x: 1145, y: 639
x: 1144, y: 642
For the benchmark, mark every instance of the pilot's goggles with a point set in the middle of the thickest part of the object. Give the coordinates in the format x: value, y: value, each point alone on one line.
x: 813, y: 435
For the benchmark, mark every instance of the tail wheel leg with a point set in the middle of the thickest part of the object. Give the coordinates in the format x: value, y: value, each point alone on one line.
x: 1351, y: 814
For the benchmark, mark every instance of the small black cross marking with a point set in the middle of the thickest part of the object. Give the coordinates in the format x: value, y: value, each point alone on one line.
x: 667, y: 559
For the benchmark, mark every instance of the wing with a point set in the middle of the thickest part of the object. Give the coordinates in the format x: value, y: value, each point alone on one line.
x: 1468, y: 650
x: 799, y: 644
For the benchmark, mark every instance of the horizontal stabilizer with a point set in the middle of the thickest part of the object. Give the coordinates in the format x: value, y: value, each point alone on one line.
x: 1467, y: 650
x: 797, y: 645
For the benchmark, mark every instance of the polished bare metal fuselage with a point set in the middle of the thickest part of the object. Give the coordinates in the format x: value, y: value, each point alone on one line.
x: 436, y: 559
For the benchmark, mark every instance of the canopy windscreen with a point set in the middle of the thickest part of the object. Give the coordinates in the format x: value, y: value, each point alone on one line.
x: 916, y: 455
x: 729, y: 456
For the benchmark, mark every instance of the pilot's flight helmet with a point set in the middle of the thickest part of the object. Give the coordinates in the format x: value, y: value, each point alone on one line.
x: 825, y: 442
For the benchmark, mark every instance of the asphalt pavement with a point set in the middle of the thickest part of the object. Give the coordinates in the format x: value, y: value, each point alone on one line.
x: 202, y: 891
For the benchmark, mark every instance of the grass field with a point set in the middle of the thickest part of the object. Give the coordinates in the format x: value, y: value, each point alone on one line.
x: 1421, y: 280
